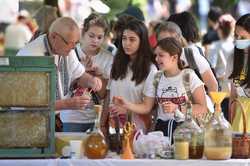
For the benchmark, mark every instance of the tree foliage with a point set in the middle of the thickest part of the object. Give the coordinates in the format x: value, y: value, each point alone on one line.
x: 116, y: 6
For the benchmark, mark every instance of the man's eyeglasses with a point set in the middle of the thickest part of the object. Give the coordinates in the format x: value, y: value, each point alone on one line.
x: 73, y: 44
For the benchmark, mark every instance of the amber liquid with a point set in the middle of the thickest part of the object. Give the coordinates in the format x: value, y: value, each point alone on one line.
x: 95, y: 146
x: 195, y: 152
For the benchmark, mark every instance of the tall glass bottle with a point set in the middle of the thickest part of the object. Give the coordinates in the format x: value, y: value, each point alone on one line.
x: 188, y: 138
x: 95, y: 144
x: 218, y: 133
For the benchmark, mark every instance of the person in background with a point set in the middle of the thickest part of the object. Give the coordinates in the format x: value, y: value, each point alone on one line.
x: 213, y: 17
x: 170, y: 29
x: 131, y: 67
x: 60, y: 42
x: 221, y: 51
x: 190, y: 32
x: 170, y: 93
x: 98, y: 62
x: 44, y: 18
x: 240, y: 71
x: 17, y: 35
x: 108, y: 43
x: 152, y: 27
x: 134, y: 12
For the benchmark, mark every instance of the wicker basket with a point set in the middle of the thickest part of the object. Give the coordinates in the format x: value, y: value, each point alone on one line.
x: 241, y: 142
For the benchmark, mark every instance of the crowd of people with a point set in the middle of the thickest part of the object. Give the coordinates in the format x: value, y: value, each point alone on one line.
x: 132, y: 73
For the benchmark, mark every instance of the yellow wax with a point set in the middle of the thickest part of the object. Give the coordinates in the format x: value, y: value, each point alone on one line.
x: 181, y: 150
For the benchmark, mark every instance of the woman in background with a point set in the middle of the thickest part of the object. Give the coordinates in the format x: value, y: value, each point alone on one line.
x: 241, y: 62
x: 240, y: 87
x: 190, y: 32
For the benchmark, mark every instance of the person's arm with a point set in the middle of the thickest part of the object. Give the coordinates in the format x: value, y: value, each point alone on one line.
x: 210, y: 80
x: 205, y: 71
x: 76, y: 102
x: 139, y: 108
x: 199, y: 106
x: 102, y: 93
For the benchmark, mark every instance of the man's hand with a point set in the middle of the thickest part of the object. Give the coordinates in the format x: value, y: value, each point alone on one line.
x: 78, y: 102
x: 88, y: 81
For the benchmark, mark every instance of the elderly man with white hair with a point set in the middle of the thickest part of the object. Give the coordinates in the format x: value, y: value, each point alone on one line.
x: 60, y: 42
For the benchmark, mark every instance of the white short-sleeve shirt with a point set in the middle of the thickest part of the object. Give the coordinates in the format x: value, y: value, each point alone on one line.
x: 103, y: 60
x: 200, y: 60
x: 171, y: 89
x: 37, y: 48
x: 130, y: 91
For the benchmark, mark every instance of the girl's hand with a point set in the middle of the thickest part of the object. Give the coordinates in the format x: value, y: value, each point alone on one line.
x: 120, y: 102
x: 116, y: 110
x: 87, y: 62
x: 96, y: 84
x: 169, y: 107
x: 94, y: 70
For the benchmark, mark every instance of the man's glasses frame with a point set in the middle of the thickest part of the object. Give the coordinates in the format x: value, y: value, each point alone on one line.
x: 66, y: 42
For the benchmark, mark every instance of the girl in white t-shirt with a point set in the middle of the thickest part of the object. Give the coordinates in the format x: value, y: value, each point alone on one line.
x: 97, y: 62
x: 171, y: 29
x: 133, y: 64
x: 170, y: 92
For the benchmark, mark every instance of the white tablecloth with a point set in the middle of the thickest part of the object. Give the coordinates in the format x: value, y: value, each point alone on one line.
x: 118, y: 162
